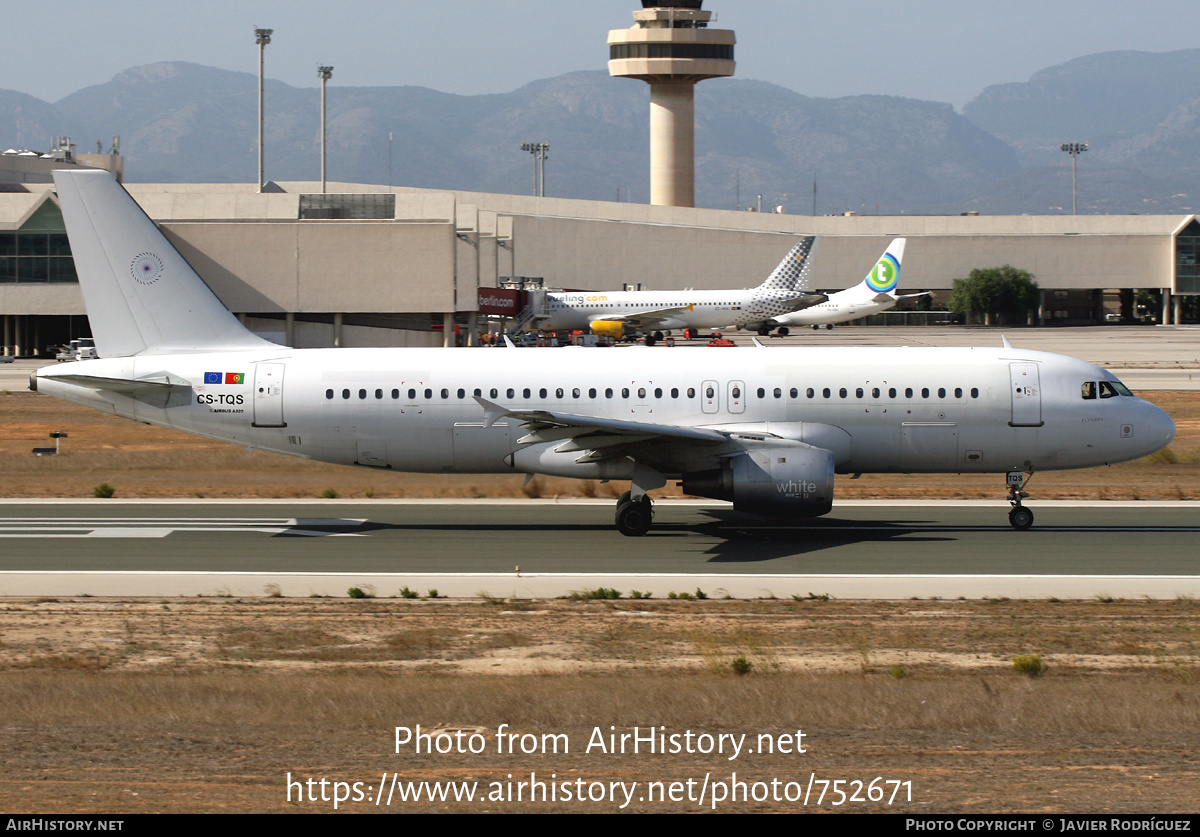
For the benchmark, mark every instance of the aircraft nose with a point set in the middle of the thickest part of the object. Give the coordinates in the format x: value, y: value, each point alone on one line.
x: 1159, y: 427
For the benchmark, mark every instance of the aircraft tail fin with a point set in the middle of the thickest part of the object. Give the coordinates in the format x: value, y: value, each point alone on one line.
x: 793, y: 273
x: 885, y: 275
x: 140, y: 294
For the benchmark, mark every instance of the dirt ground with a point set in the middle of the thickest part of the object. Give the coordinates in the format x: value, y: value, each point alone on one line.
x: 124, y: 706
x: 138, y: 460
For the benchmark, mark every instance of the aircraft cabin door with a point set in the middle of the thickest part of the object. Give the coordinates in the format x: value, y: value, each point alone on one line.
x: 1026, y: 390
x: 268, y: 395
x: 709, y: 397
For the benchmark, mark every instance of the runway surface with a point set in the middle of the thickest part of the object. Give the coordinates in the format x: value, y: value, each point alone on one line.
x: 861, y: 550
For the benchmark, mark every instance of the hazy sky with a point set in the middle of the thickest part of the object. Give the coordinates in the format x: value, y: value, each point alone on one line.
x: 944, y: 50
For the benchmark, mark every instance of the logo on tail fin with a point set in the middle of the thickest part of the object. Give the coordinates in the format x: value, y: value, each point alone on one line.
x: 885, y: 274
x: 146, y: 268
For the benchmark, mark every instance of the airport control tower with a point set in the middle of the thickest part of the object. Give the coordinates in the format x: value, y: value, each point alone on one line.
x: 671, y: 48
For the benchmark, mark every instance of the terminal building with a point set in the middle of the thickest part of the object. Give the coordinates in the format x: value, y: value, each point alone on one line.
x: 366, y: 265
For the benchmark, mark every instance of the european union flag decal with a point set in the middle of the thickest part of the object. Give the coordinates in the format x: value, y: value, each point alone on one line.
x: 212, y: 377
x: 235, y: 377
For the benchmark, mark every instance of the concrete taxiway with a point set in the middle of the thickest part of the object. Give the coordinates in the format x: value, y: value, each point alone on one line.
x: 864, y: 549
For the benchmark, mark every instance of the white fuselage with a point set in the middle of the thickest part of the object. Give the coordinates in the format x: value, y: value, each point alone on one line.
x: 877, y: 409
x: 841, y: 307
x: 685, y: 309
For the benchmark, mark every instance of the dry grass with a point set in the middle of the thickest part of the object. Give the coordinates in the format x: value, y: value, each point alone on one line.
x: 143, y: 461
x: 206, y: 705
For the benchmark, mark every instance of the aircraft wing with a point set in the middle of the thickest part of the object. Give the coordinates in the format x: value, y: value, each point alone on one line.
x: 598, y: 437
x: 649, y: 318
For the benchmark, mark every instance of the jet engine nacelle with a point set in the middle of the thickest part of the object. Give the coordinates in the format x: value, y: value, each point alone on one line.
x: 608, y: 328
x: 780, y: 482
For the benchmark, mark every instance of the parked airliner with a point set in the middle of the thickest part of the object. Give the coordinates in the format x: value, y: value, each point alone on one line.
x: 875, y: 293
x: 766, y: 428
x: 620, y: 314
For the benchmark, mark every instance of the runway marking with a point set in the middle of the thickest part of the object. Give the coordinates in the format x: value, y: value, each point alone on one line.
x: 157, y: 527
x: 907, y: 527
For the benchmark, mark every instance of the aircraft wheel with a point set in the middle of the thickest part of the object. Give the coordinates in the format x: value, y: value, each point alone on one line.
x: 658, y: 335
x: 764, y: 331
x: 634, y: 518
x: 650, y: 340
x: 1021, y: 518
x: 627, y: 497
x: 783, y: 331
x: 816, y: 328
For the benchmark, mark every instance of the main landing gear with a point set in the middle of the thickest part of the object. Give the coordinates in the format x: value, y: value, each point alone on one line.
x: 634, y: 516
x: 1020, y: 517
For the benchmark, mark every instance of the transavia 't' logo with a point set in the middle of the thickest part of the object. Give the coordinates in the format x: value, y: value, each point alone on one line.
x: 146, y: 268
x: 884, y: 274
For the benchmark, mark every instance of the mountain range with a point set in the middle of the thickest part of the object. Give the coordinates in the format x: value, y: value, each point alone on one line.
x: 1139, y: 111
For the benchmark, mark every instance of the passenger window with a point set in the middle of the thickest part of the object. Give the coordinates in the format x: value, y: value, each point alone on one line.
x: 842, y: 392
x: 542, y: 393
x: 811, y: 393
x: 478, y: 392
x: 974, y: 392
x: 379, y: 393
x: 858, y: 393
x: 674, y: 392
x: 362, y: 393
x: 737, y: 392
x: 778, y: 392
x: 891, y: 392
x: 762, y: 393
x: 1089, y: 390
x: 941, y: 392
x: 592, y: 392
x: 958, y: 392
x: 624, y: 392
x: 329, y: 393
x: 395, y: 394
x: 825, y: 392
x: 658, y: 392
x: 795, y: 393
x: 641, y: 392
x: 608, y: 392
x: 345, y: 393
x: 691, y: 392
x: 709, y: 393
x: 575, y: 393
x: 428, y: 394
x: 445, y: 393
x: 908, y: 392
x: 495, y: 393
x: 462, y: 393
x: 412, y: 395
x: 875, y: 392
x: 512, y: 393
x: 924, y: 392
x: 525, y: 393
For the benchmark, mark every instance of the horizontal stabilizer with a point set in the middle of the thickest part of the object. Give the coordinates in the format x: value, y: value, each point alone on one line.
x: 161, y: 390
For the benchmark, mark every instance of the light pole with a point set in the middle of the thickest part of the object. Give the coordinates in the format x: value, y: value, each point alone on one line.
x: 262, y: 37
x: 325, y: 73
x: 1074, y: 149
x: 540, y: 151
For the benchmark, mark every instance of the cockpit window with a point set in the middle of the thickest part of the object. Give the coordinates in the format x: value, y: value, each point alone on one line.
x: 1121, y: 388
x: 1107, y: 390
x: 1089, y: 390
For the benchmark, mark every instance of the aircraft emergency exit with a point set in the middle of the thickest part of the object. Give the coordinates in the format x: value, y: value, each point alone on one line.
x: 765, y: 428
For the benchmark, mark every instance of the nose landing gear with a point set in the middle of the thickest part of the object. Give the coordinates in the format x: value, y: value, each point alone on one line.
x: 1020, y: 517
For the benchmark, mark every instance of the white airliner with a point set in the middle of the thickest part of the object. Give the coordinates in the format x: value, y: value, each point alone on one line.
x: 766, y: 428
x: 875, y: 293
x: 621, y: 314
